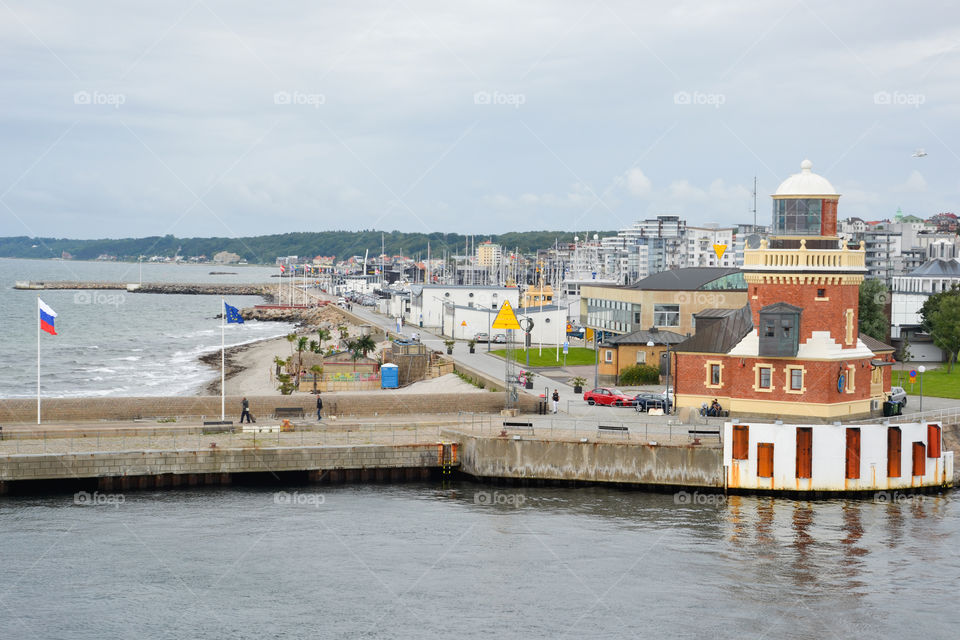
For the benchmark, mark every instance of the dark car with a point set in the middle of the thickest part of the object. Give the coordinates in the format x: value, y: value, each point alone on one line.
x: 608, y: 397
x: 646, y: 400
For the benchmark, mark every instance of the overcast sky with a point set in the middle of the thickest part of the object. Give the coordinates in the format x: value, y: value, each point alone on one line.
x: 207, y: 118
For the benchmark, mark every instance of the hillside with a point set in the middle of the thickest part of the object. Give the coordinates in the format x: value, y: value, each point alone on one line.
x: 264, y: 249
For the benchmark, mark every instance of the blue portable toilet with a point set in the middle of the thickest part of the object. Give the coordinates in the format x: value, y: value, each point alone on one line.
x: 389, y: 376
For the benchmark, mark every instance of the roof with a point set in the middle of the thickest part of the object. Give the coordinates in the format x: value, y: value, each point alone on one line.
x: 806, y: 183
x: 688, y: 279
x: 722, y: 334
x: 938, y: 267
x: 643, y: 336
x: 780, y: 307
x: 875, y: 345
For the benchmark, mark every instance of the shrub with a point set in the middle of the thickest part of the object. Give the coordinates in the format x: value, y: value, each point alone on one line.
x: 640, y: 374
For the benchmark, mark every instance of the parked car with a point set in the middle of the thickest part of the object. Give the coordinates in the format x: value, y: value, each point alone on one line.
x: 646, y: 400
x: 500, y: 338
x: 897, y: 394
x: 608, y: 397
x: 483, y: 336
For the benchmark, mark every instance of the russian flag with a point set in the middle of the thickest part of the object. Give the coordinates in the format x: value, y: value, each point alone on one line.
x: 47, y: 316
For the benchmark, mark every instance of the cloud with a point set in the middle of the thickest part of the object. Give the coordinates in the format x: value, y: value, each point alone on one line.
x: 637, y: 183
x: 915, y: 184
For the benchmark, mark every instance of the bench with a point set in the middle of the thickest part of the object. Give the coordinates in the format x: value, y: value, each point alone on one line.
x: 265, y: 429
x: 217, y: 426
x: 603, y: 428
x: 518, y: 425
x: 704, y: 432
x: 288, y: 412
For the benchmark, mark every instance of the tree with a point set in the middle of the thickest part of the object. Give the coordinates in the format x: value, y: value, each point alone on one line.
x: 944, y: 324
x: 280, y: 362
x: 317, y: 371
x: 322, y: 334
x: 301, y: 347
x: 365, y: 344
x: 874, y: 296
x: 291, y: 338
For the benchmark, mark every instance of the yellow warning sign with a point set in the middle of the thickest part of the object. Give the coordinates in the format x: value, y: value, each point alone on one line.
x: 719, y: 249
x: 463, y: 324
x: 506, y: 318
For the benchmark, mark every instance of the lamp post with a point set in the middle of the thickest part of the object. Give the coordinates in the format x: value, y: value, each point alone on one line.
x: 921, y: 369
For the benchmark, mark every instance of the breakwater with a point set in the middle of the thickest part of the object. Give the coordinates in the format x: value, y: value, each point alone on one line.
x: 384, y: 403
x: 188, y: 288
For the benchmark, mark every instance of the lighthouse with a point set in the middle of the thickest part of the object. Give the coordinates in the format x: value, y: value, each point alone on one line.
x: 803, y: 387
x: 795, y: 350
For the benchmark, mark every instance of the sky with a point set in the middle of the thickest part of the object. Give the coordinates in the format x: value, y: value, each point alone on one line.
x: 201, y: 118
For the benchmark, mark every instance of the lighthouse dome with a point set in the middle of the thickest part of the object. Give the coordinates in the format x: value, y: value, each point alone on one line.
x: 806, y: 183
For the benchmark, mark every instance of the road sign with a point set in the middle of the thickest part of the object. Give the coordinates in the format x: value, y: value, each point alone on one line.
x: 719, y: 250
x: 566, y: 348
x: 463, y: 324
x: 913, y: 373
x: 506, y: 318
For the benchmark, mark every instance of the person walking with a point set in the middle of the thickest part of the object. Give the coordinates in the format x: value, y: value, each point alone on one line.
x: 246, y: 411
x: 556, y: 400
x: 319, y: 407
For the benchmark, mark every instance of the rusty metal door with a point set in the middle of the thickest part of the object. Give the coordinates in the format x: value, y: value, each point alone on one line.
x: 919, y: 459
x: 893, y: 452
x: 804, y: 452
x: 853, y: 453
x: 764, y: 459
x: 741, y: 442
x: 933, y: 441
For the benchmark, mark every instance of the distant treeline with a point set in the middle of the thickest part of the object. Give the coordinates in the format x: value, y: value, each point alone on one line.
x: 264, y: 249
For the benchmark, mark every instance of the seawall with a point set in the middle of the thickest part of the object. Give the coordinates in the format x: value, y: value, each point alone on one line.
x: 601, y: 462
x: 381, y: 403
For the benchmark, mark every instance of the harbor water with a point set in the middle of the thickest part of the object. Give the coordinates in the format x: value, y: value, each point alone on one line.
x: 467, y: 560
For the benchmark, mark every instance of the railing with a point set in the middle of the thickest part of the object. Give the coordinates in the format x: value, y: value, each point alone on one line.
x: 943, y: 416
x: 803, y: 258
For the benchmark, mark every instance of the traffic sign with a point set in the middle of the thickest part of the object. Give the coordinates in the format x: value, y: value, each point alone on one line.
x: 463, y: 324
x: 506, y: 318
x: 913, y: 373
x: 719, y: 250
x: 566, y: 347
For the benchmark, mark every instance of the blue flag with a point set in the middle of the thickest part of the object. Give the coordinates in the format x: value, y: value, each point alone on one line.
x: 233, y: 314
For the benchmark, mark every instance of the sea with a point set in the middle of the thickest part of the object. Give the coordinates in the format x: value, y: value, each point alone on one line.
x: 117, y: 343
x: 468, y: 560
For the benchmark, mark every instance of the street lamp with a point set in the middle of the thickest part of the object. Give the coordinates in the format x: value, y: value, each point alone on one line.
x: 921, y: 369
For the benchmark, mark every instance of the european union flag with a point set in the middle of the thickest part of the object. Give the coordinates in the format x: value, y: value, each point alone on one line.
x: 233, y: 314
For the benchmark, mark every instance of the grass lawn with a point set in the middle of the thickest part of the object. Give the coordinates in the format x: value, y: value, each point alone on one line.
x: 936, y: 383
x: 577, y: 355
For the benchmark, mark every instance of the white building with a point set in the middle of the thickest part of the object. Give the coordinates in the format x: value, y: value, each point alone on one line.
x: 700, y: 251
x: 434, y: 305
x: 849, y: 457
x: 909, y: 292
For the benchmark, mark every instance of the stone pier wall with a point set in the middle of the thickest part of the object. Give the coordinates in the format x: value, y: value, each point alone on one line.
x: 223, y: 461
x: 629, y: 463
x: 381, y: 403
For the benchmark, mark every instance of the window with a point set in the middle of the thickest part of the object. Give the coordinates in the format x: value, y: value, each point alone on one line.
x: 919, y: 459
x: 933, y: 441
x: 641, y: 357
x: 853, y: 453
x: 893, y: 452
x: 764, y: 459
x: 796, y: 379
x: 636, y: 316
x: 714, y: 374
x: 804, y: 452
x: 666, y: 315
x: 821, y: 293
x: 799, y: 216
x: 741, y: 442
x: 608, y: 355
x: 765, y: 377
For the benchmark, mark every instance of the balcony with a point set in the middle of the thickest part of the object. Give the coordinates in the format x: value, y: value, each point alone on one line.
x: 803, y: 259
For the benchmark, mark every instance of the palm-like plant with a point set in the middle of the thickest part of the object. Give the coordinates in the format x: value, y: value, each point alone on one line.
x: 280, y: 362
x: 365, y: 344
x: 344, y: 332
x: 291, y: 338
x: 301, y: 347
x: 322, y: 334
x: 317, y: 371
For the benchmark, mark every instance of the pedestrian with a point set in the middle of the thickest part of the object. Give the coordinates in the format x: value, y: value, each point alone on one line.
x: 556, y: 400
x: 246, y: 411
x: 319, y: 407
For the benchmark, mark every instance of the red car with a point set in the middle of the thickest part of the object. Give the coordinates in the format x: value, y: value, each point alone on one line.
x: 608, y: 397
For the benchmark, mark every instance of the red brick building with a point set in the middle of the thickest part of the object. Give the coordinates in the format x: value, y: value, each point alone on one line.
x: 794, y: 350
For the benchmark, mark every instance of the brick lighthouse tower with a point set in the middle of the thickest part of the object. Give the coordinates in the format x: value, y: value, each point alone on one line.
x: 795, y: 350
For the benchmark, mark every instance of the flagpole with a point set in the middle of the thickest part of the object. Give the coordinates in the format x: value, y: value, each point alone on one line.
x: 223, y: 360
x: 38, y: 358
x: 280, y: 289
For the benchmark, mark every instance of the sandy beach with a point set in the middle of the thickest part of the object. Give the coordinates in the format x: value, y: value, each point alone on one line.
x: 250, y: 368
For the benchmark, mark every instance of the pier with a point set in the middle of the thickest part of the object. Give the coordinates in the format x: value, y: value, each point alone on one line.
x: 183, y: 288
